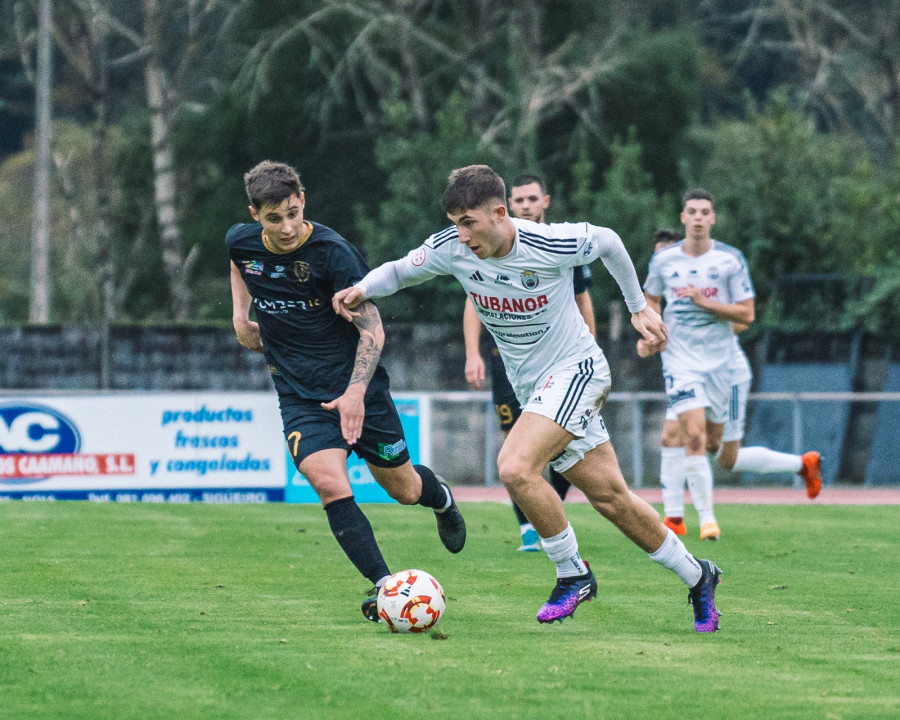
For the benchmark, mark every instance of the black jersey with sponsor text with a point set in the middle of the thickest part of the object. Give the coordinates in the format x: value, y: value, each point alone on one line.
x: 310, y: 350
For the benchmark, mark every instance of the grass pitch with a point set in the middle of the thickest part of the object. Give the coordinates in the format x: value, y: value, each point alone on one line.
x: 198, y: 611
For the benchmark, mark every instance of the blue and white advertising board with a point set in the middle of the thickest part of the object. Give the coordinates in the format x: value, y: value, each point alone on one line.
x: 213, y: 447
x: 133, y: 447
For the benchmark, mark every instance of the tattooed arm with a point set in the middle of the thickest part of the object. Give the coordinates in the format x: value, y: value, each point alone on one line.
x: 351, y: 405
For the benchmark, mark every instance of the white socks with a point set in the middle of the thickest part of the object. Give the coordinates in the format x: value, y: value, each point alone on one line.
x: 764, y: 460
x: 562, y: 549
x: 700, y: 483
x: 671, y: 477
x: 672, y: 554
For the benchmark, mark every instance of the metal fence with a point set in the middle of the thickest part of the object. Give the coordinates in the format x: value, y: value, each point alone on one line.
x: 465, y: 437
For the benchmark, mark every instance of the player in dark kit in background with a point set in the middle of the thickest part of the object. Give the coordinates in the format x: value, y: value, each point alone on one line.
x: 332, y: 390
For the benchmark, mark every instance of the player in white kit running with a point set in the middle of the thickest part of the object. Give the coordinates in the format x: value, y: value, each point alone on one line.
x: 707, y: 288
x: 519, y: 276
x: 724, y: 441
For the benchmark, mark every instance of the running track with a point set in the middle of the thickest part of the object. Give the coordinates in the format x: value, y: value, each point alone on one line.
x: 755, y: 496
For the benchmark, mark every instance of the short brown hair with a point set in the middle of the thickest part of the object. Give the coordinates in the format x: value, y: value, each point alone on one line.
x: 529, y: 179
x: 271, y: 183
x: 472, y: 187
x: 697, y: 194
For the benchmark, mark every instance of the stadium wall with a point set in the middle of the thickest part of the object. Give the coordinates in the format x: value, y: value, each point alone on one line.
x: 419, y: 358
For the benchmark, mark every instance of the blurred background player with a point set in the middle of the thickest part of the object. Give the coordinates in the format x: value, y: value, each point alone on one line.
x: 730, y: 454
x: 707, y: 289
x: 528, y: 199
x: 332, y: 389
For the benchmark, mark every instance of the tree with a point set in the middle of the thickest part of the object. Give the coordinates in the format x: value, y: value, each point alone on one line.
x: 182, y: 43
x: 843, y: 54
x: 416, y: 165
x: 796, y: 201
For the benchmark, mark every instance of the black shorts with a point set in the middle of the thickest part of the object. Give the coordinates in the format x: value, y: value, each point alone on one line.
x: 505, y: 403
x: 309, y: 428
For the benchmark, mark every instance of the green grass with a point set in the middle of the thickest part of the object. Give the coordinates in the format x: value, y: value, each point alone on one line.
x: 199, y: 611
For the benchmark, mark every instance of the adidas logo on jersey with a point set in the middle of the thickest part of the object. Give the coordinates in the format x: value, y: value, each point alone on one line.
x: 476, y: 276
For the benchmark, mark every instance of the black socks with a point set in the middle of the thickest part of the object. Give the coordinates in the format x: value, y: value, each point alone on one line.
x: 433, y: 494
x: 354, y: 534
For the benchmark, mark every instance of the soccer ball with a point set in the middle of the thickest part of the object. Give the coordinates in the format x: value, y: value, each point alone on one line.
x: 411, y: 601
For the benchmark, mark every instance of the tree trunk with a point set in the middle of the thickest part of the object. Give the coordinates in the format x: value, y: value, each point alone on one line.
x: 99, y: 36
x: 39, y: 309
x: 165, y: 186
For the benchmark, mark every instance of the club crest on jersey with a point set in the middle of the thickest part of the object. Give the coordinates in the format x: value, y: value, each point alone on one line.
x: 301, y: 271
x: 712, y: 273
x: 530, y: 279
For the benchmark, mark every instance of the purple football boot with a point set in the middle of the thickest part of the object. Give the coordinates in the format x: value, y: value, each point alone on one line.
x: 568, y: 594
x: 703, y: 597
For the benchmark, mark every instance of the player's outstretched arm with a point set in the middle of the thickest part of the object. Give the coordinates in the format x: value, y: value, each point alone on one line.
x: 351, y: 405
x: 246, y: 330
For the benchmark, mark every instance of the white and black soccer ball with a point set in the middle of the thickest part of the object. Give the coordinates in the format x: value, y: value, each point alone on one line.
x: 411, y: 601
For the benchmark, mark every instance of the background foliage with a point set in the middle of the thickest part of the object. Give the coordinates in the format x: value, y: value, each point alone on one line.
x: 787, y: 112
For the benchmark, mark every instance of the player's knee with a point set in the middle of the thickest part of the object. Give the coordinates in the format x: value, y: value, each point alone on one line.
x: 611, y: 502
x: 671, y: 435
x: 695, y: 442
x: 727, y: 457
x: 400, y: 483
x: 513, y: 472
x: 405, y: 495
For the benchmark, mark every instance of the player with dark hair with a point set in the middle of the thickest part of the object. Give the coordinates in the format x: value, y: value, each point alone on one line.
x: 560, y: 375
x: 333, y: 392
x: 723, y: 441
x: 528, y: 199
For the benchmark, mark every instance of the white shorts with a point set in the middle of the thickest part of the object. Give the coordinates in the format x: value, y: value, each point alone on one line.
x: 572, y: 397
x: 737, y: 412
x: 689, y: 390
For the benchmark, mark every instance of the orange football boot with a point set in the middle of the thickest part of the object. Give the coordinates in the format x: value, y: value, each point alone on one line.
x: 811, y: 472
x: 675, y: 524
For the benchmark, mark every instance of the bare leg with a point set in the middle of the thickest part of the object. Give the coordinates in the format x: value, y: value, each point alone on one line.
x: 598, y: 476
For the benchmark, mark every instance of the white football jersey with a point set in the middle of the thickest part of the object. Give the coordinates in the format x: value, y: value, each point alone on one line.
x: 697, y: 339
x: 524, y: 299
